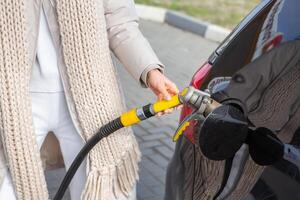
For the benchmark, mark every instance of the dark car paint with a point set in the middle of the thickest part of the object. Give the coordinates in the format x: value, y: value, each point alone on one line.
x: 236, y: 51
x: 238, y: 48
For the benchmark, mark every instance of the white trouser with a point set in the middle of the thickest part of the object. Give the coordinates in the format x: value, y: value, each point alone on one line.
x: 50, y: 113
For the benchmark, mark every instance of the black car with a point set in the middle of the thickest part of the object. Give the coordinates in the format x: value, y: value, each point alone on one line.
x: 271, y: 23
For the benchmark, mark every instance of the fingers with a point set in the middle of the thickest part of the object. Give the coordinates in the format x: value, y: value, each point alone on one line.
x: 159, y: 114
x: 163, y: 88
x: 168, y: 90
x: 172, y: 88
x: 179, y: 107
x: 166, y: 95
x: 159, y: 98
x: 168, y: 111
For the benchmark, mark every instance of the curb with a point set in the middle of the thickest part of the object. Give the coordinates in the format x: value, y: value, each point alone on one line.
x: 182, y: 21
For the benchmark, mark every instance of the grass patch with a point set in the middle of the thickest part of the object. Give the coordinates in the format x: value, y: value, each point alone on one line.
x: 226, y: 13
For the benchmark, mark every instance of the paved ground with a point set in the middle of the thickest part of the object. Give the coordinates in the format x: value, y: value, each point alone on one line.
x: 182, y: 53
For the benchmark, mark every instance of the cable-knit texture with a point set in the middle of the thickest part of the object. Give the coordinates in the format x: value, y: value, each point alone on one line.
x: 16, y: 120
x: 113, y: 163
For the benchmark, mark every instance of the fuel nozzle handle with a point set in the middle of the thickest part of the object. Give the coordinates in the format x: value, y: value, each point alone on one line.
x: 190, y: 96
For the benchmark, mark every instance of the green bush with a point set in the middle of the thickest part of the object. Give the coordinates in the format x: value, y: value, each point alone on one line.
x: 226, y: 13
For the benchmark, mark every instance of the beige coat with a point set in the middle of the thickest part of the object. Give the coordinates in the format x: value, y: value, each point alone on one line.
x: 125, y: 40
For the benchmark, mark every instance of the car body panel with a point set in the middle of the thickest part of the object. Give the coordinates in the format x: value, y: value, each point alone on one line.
x: 270, y: 23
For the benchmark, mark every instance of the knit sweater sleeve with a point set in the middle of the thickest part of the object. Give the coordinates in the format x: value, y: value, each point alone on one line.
x: 127, y: 42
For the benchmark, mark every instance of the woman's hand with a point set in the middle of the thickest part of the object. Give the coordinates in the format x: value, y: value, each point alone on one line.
x: 162, y: 87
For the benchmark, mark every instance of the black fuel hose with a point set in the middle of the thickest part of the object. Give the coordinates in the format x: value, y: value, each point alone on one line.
x: 129, y: 118
x: 104, y: 131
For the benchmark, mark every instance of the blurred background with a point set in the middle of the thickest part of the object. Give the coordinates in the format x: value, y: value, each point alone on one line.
x: 226, y: 13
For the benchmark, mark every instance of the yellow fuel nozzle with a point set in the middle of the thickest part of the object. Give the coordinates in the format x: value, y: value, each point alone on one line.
x: 136, y: 115
x: 189, y: 95
x: 166, y: 104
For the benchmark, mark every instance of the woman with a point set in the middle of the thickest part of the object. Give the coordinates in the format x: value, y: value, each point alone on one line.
x: 56, y: 70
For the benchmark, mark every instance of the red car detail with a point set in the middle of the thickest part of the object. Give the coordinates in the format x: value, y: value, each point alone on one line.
x: 197, y: 80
